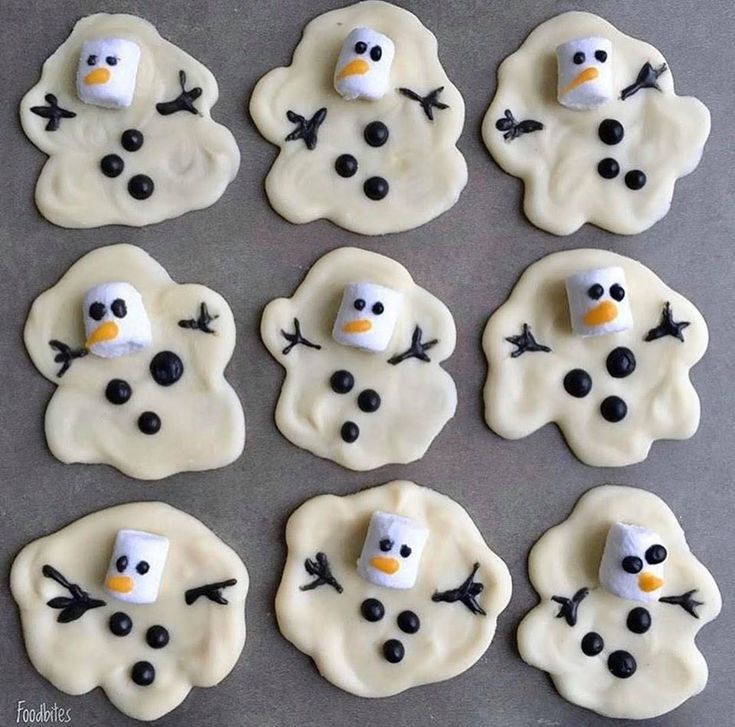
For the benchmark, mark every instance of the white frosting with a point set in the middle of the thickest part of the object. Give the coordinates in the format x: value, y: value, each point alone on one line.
x: 367, y: 316
x: 363, y: 66
x: 599, y: 302
x: 585, y: 73
x: 107, y: 71
x: 136, y: 566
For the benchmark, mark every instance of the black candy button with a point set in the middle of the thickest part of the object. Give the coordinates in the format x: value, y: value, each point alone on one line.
x: 368, y: 401
x: 592, y: 644
x: 118, y: 391
x: 608, y: 168
x: 140, y: 186
x: 376, y: 133
x: 611, y: 132
x: 621, y: 664
x: 143, y: 673
x: 639, y: 620
x: 620, y: 362
x: 342, y: 382
x: 156, y: 637
x: 578, y: 383
x: 149, y: 422
x: 120, y: 624
x: 372, y: 610
x: 635, y: 179
x: 375, y: 188
x: 112, y: 165
x: 408, y: 622
x: 166, y: 368
x: 393, y: 651
x: 131, y: 140
x: 345, y: 165
x: 613, y: 409
x: 350, y: 432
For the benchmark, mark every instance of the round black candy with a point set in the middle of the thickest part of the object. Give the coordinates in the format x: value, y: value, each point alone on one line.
x: 376, y: 133
x: 149, y: 422
x: 345, y: 165
x: 635, y: 179
x: 620, y: 362
x: 592, y: 644
x: 372, y: 610
x: 613, y: 409
x: 112, y: 165
x: 621, y: 664
x: 375, y: 188
x: 166, y: 368
x: 350, y: 432
x: 369, y: 401
x: 342, y: 382
x: 578, y: 383
x: 131, y: 140
x: 118, y: 391
x: 120, y: 624
x: 156, y: 637
x: 393, y: 651
x: 639, y: 620
x: 408, y: 622
x: 608, y: 168
x: 143, y: 673
x: 140, y: 186
x: 611, y: 132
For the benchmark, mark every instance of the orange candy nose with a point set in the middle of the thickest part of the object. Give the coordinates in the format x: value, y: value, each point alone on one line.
x: 588, y: 74
x: 106, y: 332
x: 358, y: 67
x: 385, y: 565
x: 120, y: 584
x: 97, y: 77
x: 648, y: 582
x: 361, y: 325
x: 603, y: 313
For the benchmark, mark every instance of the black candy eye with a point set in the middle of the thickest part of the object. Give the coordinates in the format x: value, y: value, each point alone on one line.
x: 360, y: 47
x: 97, y: 311
x: 376, y: 53
x: 386, y: 544
x: 111, y: 61
x: 579, y: 58
x: 118, y: 307
x: 405, y: 551
x: 359, y: 304
x: 92, y: 60
x: 378, y: 308
x: 656, y: 554
x: 632, y: 564
x: 595, y: 291
x: 142, y: 567
x: 601, y: 55
x: 121, y: 563
x: 617, y: 292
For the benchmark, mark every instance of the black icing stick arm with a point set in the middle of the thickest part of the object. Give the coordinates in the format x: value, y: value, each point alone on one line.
x: 417, y: 349
x: 66, y: 355
x: 512, y: 129
x: 647, y: 78
x: 569, y: 606
x: 76, y: 604
x: 686, y: 601
x: 306, y: 129
x: 466, y: 593
x: 428, y: 103
x: 320, y: 569
x: 201, y: 322
x: 667, y: 326
x: 53, y: 112
x: 525, y: 341
x: 212, y: 591
x: 295, y: 338
x: 183, y: 102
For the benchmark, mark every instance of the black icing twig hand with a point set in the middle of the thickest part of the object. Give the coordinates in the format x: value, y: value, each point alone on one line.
x: 212, y: 591
x: 201, y: 322
x: 183, y: 102
x: 569, y: 606
x: 70, y: 608
x: 53, y: 112
x: 296, y: 338
x: 686, y: 601
x: 513, y: 129
x: 526, y: 342
x: 647, y: 77
x: 417, y: 350
x: 306, y: 129
x: 320, y: 568
x: 66, y: 355
x: 466, y: 593
x: 429, y: 102
x: 668, y: 326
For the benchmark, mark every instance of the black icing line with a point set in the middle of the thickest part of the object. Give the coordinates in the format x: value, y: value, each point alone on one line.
x: 306, y: 129
x: 319, y: 567
x: 466, y: 593
x: 212, y: 591
x: 667, y: 326
x: 686, y: 601
x: 416, y: 350
x: 569, y: 606
x: 53, y: 112
x: 647, y: 77
x: 66, y: 355
x: 74, y: 607
x: 201, y: 322
x: 429, y: 102
x: 513, y: 129
x: 526, y: 342
x: 183, y: 102
x: 295, y: 338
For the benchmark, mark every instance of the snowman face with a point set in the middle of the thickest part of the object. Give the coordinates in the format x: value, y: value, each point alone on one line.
x: 363, y: 66
x: 392, y: 551
x: 599, y: 302
x: 136, y: 566
x: 632, y: 563
x: 115, y: 321
x: 367, y: 316
x: 106, y: 72
x: 585, y: 78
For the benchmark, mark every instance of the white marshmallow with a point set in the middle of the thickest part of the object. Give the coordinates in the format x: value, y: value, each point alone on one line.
x: 363, y: 66
x: 585, y: 73
x: 367, y: 316
x: 632, y: 564
x: 599, y: 302
x: 136, y: 566
x: 115, y: 321
x: 392, y: 550
x: 106, y: 72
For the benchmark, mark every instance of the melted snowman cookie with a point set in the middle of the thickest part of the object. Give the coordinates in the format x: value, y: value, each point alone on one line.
x: 588, y: 118
x: 139, y: 362
x: 598, y: 344
x: 124, y: 117
x: 362, y: 346
x: 390, y: 588
x: 622, y: 599
x: 140, y: 599
x: 366, y: 121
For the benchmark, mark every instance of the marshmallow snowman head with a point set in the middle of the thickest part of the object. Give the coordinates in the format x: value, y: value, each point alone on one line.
x: 136, y: 566
x: 585, y: 73
x: 363, y: 66
x: 599, y: 302
x: 367, y: 316
x: 115, y: 321
x: 632, y: 563
x: 392, y: 550
x: 106, y: 72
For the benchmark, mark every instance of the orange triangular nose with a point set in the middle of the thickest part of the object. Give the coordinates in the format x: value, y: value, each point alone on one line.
x: 97, y: 77
x: 588, y: 74
x: 648, y: 582
x: 107, y: 331
x: 358, y: 67
x: 361, y: 325
x: 602, y: 313
x: 386, y: 565
x: 120, y: 584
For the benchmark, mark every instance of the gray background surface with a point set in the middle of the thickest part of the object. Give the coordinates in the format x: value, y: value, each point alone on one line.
x: 470, y: 258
